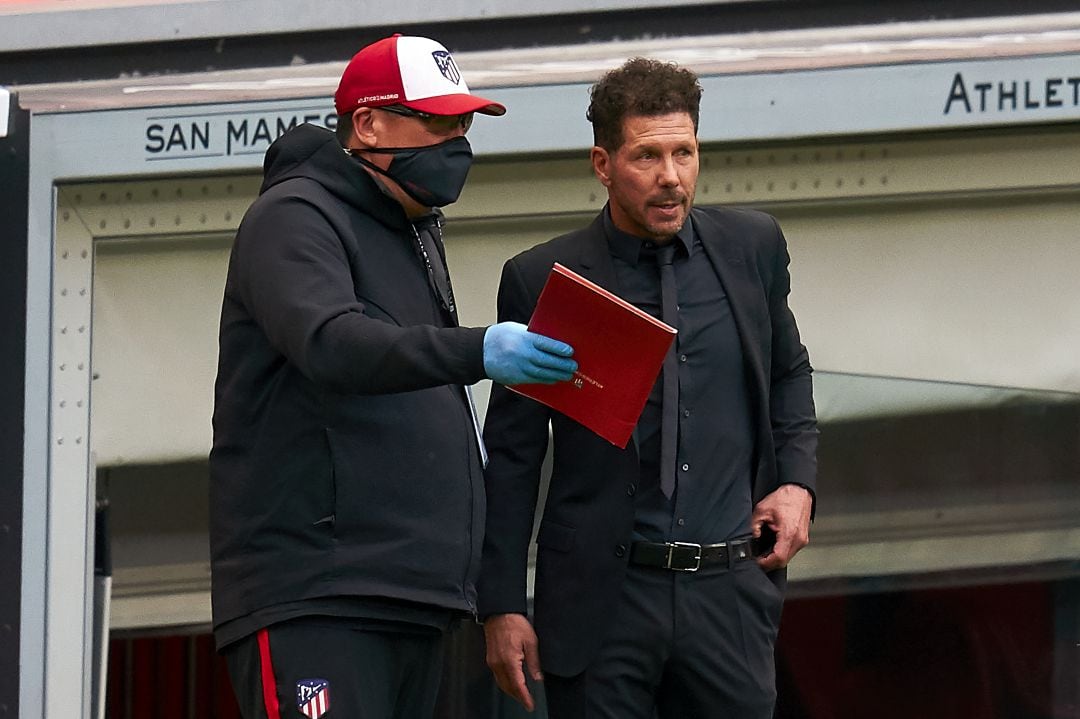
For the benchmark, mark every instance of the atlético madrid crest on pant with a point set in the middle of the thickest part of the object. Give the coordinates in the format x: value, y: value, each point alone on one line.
x: 313, y: 697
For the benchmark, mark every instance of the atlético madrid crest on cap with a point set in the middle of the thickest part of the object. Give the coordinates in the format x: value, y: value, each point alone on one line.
x: 416, y: 72
x: 447, y: 66
x: 313, y: 697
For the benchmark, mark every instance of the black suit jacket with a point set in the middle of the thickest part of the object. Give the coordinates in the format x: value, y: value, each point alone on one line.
x: 584, y: 536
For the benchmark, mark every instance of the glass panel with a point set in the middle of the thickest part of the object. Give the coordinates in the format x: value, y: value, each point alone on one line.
x: 892, y: 444
x: 925, y: 481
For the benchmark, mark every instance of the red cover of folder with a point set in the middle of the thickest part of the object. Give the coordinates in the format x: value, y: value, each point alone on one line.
x: 619, y: 350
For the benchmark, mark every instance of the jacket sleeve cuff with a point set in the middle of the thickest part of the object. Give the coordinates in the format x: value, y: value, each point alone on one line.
x: 473, y: 352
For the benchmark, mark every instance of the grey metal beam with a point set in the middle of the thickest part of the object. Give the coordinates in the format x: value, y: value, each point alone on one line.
x: 14, y: 148
x: 66, y: 24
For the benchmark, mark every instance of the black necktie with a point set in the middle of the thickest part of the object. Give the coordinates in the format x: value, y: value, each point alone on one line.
x: 669, y: 424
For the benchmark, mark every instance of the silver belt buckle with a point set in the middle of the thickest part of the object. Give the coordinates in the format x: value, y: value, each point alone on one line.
x: 671, y: 551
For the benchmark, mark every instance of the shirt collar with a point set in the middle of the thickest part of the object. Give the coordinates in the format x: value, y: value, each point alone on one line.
x: 629, y: 248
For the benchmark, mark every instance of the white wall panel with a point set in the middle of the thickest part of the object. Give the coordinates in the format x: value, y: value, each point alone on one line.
x: 156, y: 309
x: 968, y: 290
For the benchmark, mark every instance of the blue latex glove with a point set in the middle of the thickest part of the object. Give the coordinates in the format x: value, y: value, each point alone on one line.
x: 513, y: 355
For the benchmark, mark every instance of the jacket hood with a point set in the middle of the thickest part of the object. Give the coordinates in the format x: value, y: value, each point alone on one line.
x: 312, y: 152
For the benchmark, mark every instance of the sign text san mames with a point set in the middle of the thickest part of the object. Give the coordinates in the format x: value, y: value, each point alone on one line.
x: 175, y: 137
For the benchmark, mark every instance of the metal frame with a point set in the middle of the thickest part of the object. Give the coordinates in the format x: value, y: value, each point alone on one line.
x: 100, y: 24
x: 14, y: 148
x: 1066, y: 689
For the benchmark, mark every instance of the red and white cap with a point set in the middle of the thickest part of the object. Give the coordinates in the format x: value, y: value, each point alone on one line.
x: 412, y: 71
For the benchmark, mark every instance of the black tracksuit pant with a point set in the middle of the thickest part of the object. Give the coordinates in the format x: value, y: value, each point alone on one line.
x: 337, y: 667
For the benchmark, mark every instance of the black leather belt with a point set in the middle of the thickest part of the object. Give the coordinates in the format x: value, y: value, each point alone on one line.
x: 687, y: 556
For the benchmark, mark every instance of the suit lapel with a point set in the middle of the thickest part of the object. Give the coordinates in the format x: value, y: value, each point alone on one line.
x: 728, y: 258
x: 594, y: 260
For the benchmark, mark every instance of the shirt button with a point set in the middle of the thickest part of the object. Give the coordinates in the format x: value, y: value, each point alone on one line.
x: 681, y: 521
x: 685, y: 467
x: 682, y: 358
x: 631, y: 489
x: 620, y: 550
x: 686, y: 413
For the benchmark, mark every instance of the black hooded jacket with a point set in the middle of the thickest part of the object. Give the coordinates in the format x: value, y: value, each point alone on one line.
x: 344, y: 460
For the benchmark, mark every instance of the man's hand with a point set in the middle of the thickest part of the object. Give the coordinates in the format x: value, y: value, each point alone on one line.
x: 513, y: 355
x: 511, y: 643
x: 786, y: 511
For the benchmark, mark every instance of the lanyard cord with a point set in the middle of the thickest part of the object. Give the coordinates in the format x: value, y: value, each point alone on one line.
x: 438, y: 274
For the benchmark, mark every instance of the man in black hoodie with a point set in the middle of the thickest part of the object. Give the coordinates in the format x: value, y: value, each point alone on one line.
x: 347, y: 505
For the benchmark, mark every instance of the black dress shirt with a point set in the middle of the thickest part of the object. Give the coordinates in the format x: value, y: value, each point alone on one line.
x: 712, y: 502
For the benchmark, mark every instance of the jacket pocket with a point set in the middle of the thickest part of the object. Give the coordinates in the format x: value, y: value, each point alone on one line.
x: 555, y: 536
x: 328, y: 517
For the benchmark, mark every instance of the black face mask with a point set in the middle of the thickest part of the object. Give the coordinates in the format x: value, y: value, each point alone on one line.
x: 433, y: 176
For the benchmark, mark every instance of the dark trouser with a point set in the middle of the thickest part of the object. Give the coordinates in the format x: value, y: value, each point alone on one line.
x: 681, y: 646
x: 280, y: 672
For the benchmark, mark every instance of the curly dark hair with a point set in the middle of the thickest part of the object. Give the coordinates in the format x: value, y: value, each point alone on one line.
x: 641, y: 87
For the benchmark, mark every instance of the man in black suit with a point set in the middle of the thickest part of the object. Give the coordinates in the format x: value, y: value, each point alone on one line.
x: 653, y: 593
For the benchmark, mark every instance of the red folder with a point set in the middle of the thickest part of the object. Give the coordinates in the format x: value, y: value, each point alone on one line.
x: 619, y: 350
